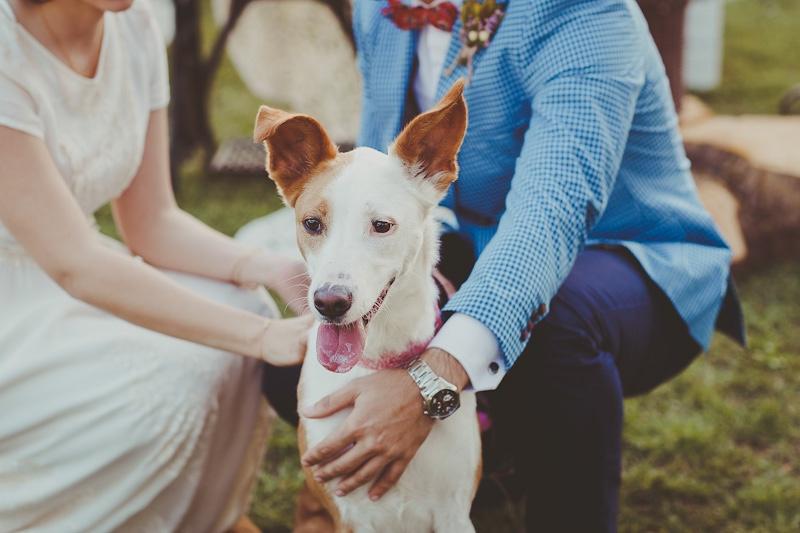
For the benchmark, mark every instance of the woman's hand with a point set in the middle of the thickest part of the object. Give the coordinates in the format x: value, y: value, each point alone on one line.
x: 284, y: 341
x: 289, y: 278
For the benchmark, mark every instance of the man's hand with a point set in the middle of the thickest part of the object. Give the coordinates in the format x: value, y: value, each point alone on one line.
x: 446, y: 366
x: 384, y: 431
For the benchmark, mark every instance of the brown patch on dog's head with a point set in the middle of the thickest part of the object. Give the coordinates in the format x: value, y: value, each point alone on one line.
x: 310, y: 200
x: 297, y: 145
x: 429, y: 144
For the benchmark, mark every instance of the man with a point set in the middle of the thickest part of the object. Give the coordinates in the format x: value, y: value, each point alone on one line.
x: 598, y: 272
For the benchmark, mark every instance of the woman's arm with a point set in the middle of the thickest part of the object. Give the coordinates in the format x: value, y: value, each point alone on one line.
x: 39, y: 210
x: 154, y: 227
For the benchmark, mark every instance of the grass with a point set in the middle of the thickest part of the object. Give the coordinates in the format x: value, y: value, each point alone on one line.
x: 715, y: 449
x: 761, y: 57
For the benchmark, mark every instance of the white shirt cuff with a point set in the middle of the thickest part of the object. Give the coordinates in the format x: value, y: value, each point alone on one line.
x: 475, y: 347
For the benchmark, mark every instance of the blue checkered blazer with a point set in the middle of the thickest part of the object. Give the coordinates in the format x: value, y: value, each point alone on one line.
x: 572, y: 141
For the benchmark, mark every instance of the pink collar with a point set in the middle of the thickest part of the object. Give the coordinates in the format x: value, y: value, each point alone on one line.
x: 403, y: 359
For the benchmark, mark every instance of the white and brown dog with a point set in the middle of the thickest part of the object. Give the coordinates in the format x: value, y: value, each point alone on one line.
x: 366, y: 230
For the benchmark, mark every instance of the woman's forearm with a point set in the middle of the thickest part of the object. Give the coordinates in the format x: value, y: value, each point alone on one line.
x: 38, y: 208
x: 140, y: 294
x: 184, y: 244
x: 154, y: 227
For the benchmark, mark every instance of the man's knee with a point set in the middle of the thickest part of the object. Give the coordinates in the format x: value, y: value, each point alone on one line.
x: 601, y: 300
x: 570, y: 329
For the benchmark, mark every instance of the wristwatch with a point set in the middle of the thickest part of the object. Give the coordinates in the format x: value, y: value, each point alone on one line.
x: 440, y: 398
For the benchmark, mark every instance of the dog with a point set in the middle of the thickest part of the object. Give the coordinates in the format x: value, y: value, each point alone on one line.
x: 365, y: 228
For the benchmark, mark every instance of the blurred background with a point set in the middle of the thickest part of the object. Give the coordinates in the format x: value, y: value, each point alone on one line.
x: 714, y: 450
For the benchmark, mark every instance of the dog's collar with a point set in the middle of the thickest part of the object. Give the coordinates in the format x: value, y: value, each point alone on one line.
x: 406, y: 357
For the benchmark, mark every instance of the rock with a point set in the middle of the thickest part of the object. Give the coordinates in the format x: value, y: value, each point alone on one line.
x: 724, y: 209
x: 693, y: 111
x: 769, y: 204
x: 294, y: 55
x: 747, y: 170
x: 769, y: 142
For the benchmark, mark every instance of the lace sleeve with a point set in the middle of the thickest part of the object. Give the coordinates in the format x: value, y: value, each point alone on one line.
x: 18, y: 110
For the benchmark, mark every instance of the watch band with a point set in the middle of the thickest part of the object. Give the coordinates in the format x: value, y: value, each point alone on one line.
x: 424, y: 376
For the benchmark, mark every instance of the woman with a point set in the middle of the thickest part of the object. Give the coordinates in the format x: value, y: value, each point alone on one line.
x: 109, y: 419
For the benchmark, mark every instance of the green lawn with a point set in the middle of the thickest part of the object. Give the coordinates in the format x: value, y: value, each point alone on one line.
x: 714, y: 450
x: 717, y: 448
x: 762, y: 55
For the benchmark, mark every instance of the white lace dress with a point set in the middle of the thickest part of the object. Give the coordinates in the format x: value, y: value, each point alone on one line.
x: 105, y: 425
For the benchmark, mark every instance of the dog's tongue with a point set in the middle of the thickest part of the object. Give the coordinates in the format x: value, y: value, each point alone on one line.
x: 340, y: 347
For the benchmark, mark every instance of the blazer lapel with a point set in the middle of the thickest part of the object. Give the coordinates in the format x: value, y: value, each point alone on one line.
x: 450, y: 75
x: 394, y: 51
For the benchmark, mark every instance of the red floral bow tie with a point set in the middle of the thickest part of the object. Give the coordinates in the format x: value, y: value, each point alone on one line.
x: 442, y: 15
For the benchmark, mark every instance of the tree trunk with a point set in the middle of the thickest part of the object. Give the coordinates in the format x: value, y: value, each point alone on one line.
x: 666, y: 21
x: 192, y: 76
x: 188, y: 113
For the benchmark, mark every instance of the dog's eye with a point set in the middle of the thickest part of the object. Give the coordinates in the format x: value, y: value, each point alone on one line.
x: 381, y: 226
x: 313, y: 225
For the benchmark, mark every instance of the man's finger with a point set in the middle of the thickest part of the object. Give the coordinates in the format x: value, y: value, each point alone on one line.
x: 364, y: 475
x: 346, y: 464
x: 331, y: 403
x: 388, y: 479
x: 329, y: 448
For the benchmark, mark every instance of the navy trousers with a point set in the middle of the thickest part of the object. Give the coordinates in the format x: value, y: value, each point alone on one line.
x: 557, y: 415
x: 610, y: 333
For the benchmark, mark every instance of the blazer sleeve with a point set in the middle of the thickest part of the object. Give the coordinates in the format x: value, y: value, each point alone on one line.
x: 583, y: 82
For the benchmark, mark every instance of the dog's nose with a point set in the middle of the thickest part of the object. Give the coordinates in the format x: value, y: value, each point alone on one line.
x: 333, y: 301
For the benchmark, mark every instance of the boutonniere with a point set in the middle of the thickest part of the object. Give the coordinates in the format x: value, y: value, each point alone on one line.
x: 479, y: 23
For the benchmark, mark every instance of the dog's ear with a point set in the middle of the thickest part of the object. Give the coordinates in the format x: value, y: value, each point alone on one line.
x: 428, y: 146
x: 296, y: 146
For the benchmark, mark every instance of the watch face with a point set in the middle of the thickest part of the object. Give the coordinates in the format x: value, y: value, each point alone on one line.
x: 444, y: 403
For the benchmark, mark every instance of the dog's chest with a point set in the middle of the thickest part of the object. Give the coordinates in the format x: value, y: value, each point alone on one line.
x: 439, y: 481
